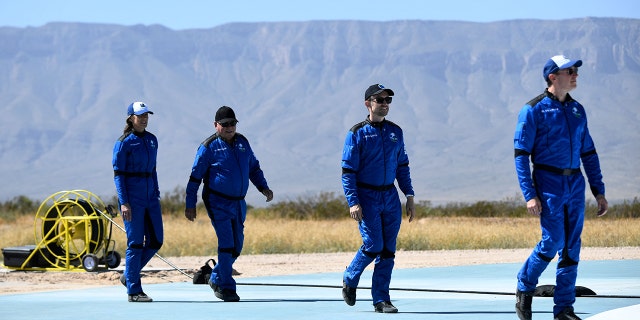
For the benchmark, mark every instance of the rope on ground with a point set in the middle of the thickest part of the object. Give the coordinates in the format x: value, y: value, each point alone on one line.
x: 495, y: 293
x: 109, y: 214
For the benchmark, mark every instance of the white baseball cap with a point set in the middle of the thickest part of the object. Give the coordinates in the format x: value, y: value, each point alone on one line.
x: 138, y: 108
x: 558, y: 62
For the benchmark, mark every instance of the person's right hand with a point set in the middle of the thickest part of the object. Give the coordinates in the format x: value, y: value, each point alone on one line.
x: 126, y: 212
x: 190, y: 213
x: 534, y: 206
x: 356, y: 212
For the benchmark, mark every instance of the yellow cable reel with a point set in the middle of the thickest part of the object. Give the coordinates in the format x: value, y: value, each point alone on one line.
x: 71, y: 229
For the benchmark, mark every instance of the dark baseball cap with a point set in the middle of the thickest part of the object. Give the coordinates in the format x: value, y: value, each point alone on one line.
x: 225, y: 115
x: 376, y: 89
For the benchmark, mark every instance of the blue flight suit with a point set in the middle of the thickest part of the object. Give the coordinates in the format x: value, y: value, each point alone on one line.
x: 226, y: 170
x: 136, y: 180
x: 372, y: 159
x: 555, y: 135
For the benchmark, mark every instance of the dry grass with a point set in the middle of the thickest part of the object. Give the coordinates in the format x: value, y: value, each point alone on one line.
x: 262, y: 235
x: 505, y: 233
x: 469, y: 233
x: 18, y: 232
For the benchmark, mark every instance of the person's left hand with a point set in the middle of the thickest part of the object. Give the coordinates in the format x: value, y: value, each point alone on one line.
x: 190, y: 213
x: 268, y: 193
x: 603, y: 205
x: 411, y: 208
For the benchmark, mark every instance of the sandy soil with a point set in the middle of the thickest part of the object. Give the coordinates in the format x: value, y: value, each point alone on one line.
x: 158, y: 271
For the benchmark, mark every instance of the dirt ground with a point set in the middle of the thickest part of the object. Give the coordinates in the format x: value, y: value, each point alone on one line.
x: 158, y: 271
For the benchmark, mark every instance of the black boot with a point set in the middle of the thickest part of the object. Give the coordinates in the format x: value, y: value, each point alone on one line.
x: 349, y: 294
x: 523, y: 304
x: 567, y: 314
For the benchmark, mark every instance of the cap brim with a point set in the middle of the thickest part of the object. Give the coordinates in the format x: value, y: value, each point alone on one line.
x: 572, y: 63
x: 389, y: 92
x: 226, y: 120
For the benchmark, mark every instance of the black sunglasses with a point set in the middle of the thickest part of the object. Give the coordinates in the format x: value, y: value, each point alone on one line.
x: 228, y: 124
x: 381, y: 100
x: 571, y: 71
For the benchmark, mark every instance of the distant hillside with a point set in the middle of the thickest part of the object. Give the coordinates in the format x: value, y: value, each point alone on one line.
x: 297, y: 87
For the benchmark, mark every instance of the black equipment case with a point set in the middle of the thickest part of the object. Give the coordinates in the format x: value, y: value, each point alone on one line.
x: 16, y: 256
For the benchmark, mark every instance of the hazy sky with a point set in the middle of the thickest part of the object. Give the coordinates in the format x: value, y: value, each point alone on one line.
x: 190, y: 14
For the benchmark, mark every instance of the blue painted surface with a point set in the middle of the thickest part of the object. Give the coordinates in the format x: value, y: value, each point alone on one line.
x: 187, y: 301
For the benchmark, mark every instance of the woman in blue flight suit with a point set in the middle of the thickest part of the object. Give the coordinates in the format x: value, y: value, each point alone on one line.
x: 136, y: 180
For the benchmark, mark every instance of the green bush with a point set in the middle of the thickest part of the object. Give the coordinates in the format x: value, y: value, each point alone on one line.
x: 626, y: 209
x: 331, y: 205
x: 17, y: 207
x: 509, y: 207
x: 324, y: 206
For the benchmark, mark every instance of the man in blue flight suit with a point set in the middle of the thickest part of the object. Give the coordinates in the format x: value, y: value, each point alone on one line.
x: 552, y: 131
x: 372, y: 159
x: 225, y: 164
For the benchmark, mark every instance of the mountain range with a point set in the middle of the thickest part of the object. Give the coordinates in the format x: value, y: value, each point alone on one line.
x: 297, y: 87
